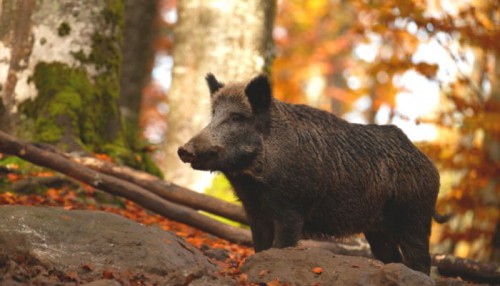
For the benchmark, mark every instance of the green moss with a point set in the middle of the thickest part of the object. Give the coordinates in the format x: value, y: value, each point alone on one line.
x: 47, y: 131
x: 68, y: 97
x: 106, y: 45
x: 13, y: 162
x: 61, y: 92
x: 20, y: 166
x: 150, y: 166
x: 64, y: 29
x: 105, y: 56
x: 113, y: 13
x: 80, y: 56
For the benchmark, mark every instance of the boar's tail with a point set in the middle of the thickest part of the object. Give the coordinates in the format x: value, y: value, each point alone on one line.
x: 441, y: 218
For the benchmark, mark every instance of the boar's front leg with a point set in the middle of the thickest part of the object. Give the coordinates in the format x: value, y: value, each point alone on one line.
x: 287, y: 229
x: 262, y: 229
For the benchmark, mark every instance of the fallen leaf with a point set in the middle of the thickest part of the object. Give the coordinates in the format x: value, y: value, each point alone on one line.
x: 275, y: 282
x: 243, y: 279
x: 13, y: 177
x: 263, y: 272
x: 317, y: 270
x: 108, y: 274
x: 73, y: 276
x: 88, y: 267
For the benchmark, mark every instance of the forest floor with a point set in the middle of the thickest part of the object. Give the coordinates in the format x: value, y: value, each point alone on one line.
x: 72, y: 195
x: 227, y: 255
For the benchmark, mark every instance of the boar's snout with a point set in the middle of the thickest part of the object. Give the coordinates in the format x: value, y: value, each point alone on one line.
x: 186, y: 153
x: 201, y: 155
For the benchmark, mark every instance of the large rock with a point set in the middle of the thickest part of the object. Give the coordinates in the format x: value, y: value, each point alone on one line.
x: 299, y: 266
x: 96, y: 242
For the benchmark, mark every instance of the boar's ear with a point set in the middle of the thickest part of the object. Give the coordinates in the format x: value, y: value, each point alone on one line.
x: 258, y: 91
x: 213, y: 84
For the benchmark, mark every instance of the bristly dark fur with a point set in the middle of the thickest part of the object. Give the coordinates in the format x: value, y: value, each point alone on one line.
x: 299, y: 170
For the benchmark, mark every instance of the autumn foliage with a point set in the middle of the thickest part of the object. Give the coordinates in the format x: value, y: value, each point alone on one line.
x: 352, y: 57
x: 333, y: 54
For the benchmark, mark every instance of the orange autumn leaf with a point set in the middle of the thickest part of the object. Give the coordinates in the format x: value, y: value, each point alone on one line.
x: 317, y: 270
x: 53, y: 194
x: 13, y: 177
x: 88, y: 267
x: 243, y: 279
x: 108, y: 274
x: 275, y: 282
x: 263, y: 272
x: 44, y: 174
x: 104, y: 157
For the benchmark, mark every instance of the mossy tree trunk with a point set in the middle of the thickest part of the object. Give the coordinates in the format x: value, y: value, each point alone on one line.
x: 231, y: 39
x: 62, y: 85
x: 60, y: 64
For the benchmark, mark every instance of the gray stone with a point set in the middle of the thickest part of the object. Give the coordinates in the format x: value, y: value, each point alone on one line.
x: 103, y: 282
x: 97, y: 241
x: 295, y: 266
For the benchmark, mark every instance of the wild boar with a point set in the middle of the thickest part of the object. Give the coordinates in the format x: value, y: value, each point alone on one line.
x: 302, y: 171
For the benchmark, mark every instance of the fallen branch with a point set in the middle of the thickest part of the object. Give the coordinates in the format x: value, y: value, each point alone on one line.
x: 166, y: 190
x: 12, y: 146
x: 449, y: 265
x: 32, y: 184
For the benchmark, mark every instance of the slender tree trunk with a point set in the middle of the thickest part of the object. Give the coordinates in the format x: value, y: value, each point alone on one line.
x: 492, y: 145
x: 231, y: 39
x: 139, y: 32
x: 15, y: 48
x: 59, y: 72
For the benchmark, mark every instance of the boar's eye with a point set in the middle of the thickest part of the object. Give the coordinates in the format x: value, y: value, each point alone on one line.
x: 237, y: 117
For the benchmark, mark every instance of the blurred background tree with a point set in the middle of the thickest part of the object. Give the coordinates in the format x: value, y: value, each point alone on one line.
x: 430, y: 67
x: 231, y: 39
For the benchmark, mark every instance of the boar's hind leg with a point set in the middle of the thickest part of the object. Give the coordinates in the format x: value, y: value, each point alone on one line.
x: 415, y: 249
x: 414, y: 232
x: 383, y: 247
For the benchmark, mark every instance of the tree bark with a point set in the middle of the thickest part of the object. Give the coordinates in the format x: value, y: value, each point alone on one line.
x: 451, y: 266
x: 492, y: 145
x: 115, y: 186
x: 17, y: 48
x: 137, y: 50
x: 59, y: 72
x: 233, y: 41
